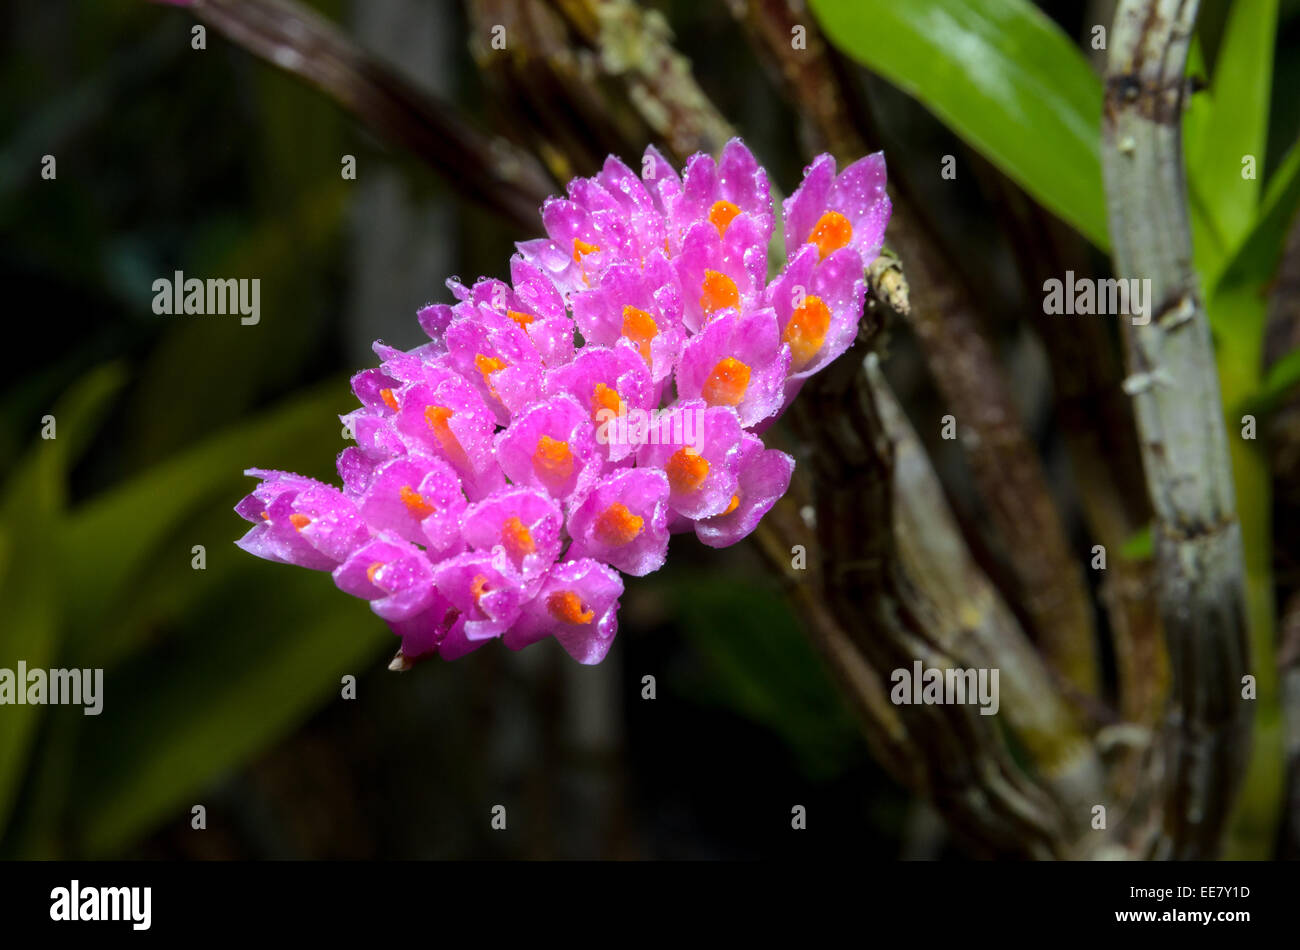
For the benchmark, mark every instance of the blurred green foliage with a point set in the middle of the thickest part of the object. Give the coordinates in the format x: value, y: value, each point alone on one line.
x: 1001, y: 75
x: 760, y: 664
x: 202, y: 667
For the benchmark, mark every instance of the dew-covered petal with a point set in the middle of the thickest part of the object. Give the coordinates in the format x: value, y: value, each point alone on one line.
x: 356, y: 469
x: 578, y: 605
x: 487, y: 595
x: 859, y: 194
x: 539, y: 308
x: 434, y: 319
x: 298, y: 520
x: 818, y: 307
x: 373, y: 431
x: 832, y: 211
x: 426, y: 632
x: 391, y: 573
x: 633, y: 200
x: 763, y: 476
x: 524, y: 525
x: 369, y: 385
x: 419, y: 498
x: 623, y: 521
x: 743, y: 182
x: 738, y: 361
x: 611, y: 382
x: 641, y: 305
x: 451, y: 421
x: 552, y: 446
x: 692, y: 443
x: 661, y: 179
x: 495, y: 355
x: 712, y: 278
x: 552, y: 260
x: 809, y: 202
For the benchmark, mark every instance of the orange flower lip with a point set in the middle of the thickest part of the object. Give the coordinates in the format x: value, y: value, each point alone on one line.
x: 727, y: 383
x: 487, y: 365
x: 687, y: 470
x: 553, y: 460
x: 722, y: 214
x: 616, y: 526
x: 566, y: 606
x: 640, y: 328
x: 831, y: 232
x: 439, y: 418
x: 806, y: 331
x: 719, y: 292
x: 415, y: 503
x: 516, y: 538
x: 605, y: 397
x: 580, y: 250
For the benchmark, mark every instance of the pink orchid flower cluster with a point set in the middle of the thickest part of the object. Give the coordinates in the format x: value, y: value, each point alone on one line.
x: 504, y: 473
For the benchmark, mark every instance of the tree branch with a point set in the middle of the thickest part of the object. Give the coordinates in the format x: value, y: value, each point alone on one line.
x: 1009, y: 476
x: 594, y: 77
x: 1175, y: 391
x: 1095, y: 418
x: 295, y: 38
x: 777, y: 535
x: 912, y: 592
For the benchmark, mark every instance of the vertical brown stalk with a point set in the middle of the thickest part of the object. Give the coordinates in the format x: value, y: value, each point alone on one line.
x: 1095, y: 419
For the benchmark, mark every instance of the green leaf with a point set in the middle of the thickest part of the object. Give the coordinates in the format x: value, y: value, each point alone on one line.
x: 1283, y: 376
x: 1237, y: 124
x: 124, y: 534
x: 28, y: 633
x: 260, y: 653
x: 1199, y: 107
x: 196, y: 358
x: 762, y: 666
x: 1256, y: 259
x: 1237, y: 307
x: 125, y: 578
x: 1208, y: 244
x: 1002, y: 76
x: 30, y: 560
